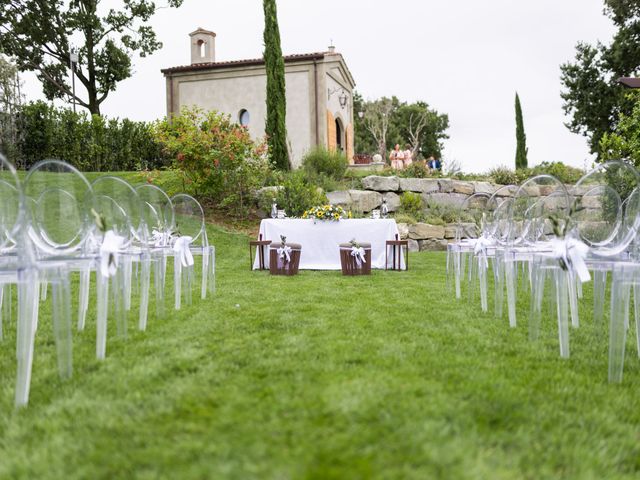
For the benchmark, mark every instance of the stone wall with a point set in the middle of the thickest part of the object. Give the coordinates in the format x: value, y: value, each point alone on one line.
x: 424, y: 236
x: 443, y: 191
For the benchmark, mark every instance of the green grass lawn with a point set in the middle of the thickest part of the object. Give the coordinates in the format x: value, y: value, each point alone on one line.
x: 321, y: 376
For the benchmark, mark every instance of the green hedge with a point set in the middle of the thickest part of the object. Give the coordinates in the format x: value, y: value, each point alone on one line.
x: 91, y: 143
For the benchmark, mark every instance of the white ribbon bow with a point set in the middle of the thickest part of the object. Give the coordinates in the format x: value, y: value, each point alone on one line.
x: 111, y: 245
x: 160, y: 238
x: 480, y: 248
x: 359, y: 254
x: 181, y: 248
x: 285, y: 252
x: 572, y: 252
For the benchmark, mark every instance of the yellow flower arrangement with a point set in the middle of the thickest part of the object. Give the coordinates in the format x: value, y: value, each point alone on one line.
x: 325, y: 212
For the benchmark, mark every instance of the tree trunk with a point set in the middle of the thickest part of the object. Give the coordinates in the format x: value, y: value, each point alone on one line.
x: 383, y: 150
x: 94, y: 106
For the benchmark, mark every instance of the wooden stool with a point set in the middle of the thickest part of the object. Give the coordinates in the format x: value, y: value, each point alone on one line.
x: 260, y: 246
x: 349, y: 263
x: 279, y: 266
x: 397, y: 246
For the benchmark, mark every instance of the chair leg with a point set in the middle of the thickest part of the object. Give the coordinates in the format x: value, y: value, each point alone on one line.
x: 620, y: 290
x: 145, y: 282
x: 102, y: 284
x: 83, y: 301
x: 61, y: 294
x: 28, y: 305
x: 562, y: 307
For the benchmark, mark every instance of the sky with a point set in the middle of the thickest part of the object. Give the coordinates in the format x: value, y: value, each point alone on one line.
x: 465, y: 58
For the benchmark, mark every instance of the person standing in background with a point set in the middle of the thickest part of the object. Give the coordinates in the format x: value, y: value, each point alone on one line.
x: 397, y: 158
x: 408, y: 156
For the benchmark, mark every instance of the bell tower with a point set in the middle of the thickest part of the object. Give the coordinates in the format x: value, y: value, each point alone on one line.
x: 203, y: 46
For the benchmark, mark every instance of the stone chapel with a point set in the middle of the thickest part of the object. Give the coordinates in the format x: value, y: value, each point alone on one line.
x: 319, y: 93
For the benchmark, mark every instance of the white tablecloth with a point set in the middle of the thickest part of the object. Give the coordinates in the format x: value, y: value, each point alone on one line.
x: 320, y: 240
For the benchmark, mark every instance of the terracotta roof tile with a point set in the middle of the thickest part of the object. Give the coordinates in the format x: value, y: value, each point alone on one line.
x: 242, y: 63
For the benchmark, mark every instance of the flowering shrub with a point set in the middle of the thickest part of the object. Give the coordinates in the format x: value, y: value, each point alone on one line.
x: 325, y: 212
x: 298, y: 194
x: 217, y: 158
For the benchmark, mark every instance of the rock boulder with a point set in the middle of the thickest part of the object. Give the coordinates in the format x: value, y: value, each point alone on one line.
x: 365, y: 201
x: 420, y: 231
x: 381, y: 184
x: 420, y: 185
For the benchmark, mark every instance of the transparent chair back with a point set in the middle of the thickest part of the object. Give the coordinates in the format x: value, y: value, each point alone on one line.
x: 157, y: 214
x: 60, y: 210
x: 190, y: 226
x: 472, y: 216
x: 497, y: 217
x: 598, y: 217
x: 11, y: 214
x: 12, y: 223
x: 539, y: 200
x: 158, y: 218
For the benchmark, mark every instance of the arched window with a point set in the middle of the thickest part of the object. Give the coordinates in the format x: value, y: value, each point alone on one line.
x: 339, y: 135
x: 244, y: 118
x: 201, y: 48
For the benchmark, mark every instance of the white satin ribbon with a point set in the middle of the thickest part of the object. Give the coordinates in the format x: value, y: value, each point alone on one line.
x: 359, y: 254
x: 573, y: 253
x: 285, y: 252
x: 480, y: 248
x: 160, y: 238
x: 111, y: 245
x: 181, y: 248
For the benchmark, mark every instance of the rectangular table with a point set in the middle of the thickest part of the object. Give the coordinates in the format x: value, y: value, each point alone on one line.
x: 320, y: 240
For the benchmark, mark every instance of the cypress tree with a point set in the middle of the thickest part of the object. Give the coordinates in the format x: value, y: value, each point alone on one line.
x: 521, y: 138
x: 275, y: 128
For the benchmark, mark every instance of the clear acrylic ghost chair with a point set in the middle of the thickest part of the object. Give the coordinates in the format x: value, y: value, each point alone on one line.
x: 547, y: 218
x: 158, y: 217
x: 496, y: 229
x: 606, y: 217
x: 190, y: 239
x: 475, y: 209
x: 59, y: 200
x: 536, y: 200
x: 10, y: 203
x: 17, y: 266
x: 114, y: 240
x: 625, y: 278
x: 470, y: 243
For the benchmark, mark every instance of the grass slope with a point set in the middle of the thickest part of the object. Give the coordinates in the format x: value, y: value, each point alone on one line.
x: 321, y: 376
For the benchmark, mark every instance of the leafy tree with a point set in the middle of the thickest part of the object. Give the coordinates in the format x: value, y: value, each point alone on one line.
x: 521, y: 138
x: 275, y: 128
x: 591, y: 93
x: 363, y: 140
x: 37, y: 34
x: 624, y: 141
x: 388, y: 121
x: 377, y: 117
x: 10, y: 102
x: 420, y: 127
